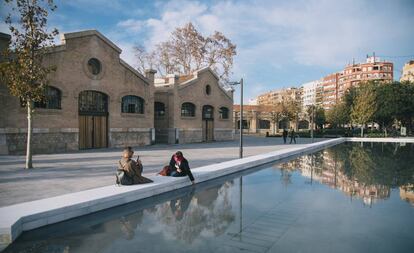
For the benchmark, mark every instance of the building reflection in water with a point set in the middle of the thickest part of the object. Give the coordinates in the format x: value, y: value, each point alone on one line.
x: 365, y: 172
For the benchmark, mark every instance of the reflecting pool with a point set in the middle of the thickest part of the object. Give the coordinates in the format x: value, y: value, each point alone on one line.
x: 352, y: 197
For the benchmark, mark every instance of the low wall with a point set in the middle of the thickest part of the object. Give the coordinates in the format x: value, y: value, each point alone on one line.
x: 129, y: 137
x: 21, y: 217
x: 44, y: 140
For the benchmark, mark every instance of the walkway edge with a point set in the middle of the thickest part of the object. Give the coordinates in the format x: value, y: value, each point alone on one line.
x: 18, y: 218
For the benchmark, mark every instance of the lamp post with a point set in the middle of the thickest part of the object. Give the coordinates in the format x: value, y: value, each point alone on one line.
x: 241, y: 115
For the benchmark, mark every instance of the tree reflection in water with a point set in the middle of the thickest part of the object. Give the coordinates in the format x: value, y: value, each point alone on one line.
x: 186, y: 218
x: 362, y: 170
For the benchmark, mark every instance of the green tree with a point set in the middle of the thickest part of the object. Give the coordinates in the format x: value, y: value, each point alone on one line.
x: 364, y: 106
x: 24, y: 71
x: 320, y: 118
x: 337, y: 115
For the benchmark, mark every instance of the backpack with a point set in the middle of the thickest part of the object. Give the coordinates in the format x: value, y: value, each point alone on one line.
x: 165, y: 171
x: 122, y: 178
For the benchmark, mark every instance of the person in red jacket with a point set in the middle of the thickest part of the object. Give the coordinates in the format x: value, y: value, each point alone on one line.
x: 179, y: 166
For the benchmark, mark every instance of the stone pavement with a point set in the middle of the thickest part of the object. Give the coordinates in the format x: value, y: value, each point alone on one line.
x: 58, y: 174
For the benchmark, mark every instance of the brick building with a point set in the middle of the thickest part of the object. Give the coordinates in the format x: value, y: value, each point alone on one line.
x: 192, y: 108
x: 335, y: 85
x: 329, y: 86
x: 372, y: 69
x: 96, y: 100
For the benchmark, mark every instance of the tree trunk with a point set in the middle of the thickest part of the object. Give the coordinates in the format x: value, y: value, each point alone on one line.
x: 276, y: 125
x: 29, y: 164
x: 362, y: 130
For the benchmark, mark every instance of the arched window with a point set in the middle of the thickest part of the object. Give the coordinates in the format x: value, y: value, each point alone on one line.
x: 159, y: 109
x: 93, y: 103
x: 188, y: 109
x: 224, y: 113
x: 208, y: 89
x: 132, y: 104
x: 208, y: 111
x: 264, y: 124
x: 52, y: 99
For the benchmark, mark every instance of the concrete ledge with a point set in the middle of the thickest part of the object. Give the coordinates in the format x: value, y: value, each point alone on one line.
x: 388, y: 139
x: 21, y: 217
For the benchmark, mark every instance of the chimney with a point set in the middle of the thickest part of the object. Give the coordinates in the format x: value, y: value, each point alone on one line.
x: 149, y: 74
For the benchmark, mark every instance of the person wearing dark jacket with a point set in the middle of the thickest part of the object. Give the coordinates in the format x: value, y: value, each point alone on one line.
x: 179, y: 166
x: 285, y: 134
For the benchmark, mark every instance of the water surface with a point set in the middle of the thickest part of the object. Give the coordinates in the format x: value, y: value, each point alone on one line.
x: 349, y: 198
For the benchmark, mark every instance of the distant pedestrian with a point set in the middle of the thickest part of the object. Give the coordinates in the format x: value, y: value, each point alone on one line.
x: 292, y: 135
x: 285, y: 135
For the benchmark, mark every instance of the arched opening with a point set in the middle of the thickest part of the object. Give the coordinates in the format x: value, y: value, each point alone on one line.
x: 224, y: 113
x: 245, y: 124
x: 303, y: 124
x: 264, y: 124
x: 132, y: 104
x: 52, y: 99
x: 208, y: 123
x: 93, y: 119
x: 159, y: 109
x: 208, y: 89
x: 188, y: 109
x: 284, y: 124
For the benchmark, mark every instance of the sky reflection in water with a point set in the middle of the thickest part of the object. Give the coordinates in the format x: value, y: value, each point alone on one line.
x: 349, y: 198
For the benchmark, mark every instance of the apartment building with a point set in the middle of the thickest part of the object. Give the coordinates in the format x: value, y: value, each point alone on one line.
x: 408, y: 72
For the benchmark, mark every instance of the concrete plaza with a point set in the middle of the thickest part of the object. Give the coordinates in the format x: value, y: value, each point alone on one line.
x: 58, y: 174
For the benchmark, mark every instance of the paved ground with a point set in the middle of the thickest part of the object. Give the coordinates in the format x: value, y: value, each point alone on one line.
x: 59, y: 174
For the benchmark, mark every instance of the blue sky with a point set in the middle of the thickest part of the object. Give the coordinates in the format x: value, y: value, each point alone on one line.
x: 279, y: 43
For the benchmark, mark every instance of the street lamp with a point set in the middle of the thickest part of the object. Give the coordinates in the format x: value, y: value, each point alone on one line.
x: 241, y: 115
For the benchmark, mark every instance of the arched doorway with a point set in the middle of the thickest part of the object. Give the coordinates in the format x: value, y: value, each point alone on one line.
x: 93, y: 119
x: 303, y: 124
x: 208, y: 123
x: 284, y: 124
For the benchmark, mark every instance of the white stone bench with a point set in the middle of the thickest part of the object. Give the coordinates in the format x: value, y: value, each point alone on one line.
x: 21, y: 217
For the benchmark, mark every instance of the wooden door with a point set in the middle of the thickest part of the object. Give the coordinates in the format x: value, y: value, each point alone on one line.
x: 99, y: 132
x: 92, y: 131
x: 208, y: 130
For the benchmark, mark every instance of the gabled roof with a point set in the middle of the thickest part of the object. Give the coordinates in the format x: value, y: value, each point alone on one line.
x: 90, y: 33
x: 190, y: 80
x: 86, y: 33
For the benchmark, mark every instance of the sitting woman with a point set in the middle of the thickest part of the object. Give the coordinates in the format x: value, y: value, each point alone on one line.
x: 132, y: 169
x: 179, y: 166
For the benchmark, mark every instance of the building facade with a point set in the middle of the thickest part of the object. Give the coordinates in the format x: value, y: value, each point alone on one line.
x: 96, y: 100
x: 330, y: 95
x: 372, y: 70
x: 310, y: 94
x: 408, y: 72
x: 192, y: 108
x: 280, y: 96
x: 263, y: 119
x: 335, y: 85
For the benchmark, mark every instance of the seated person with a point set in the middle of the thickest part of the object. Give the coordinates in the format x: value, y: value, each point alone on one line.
x: 132, y: 168
x: 179, y: 166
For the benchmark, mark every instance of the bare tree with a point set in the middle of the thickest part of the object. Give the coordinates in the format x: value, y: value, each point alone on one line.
x: 186, y: 51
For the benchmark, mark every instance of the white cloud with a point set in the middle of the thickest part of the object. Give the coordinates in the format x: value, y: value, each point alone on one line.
x: 131, y: 25
x: 272, y: 36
